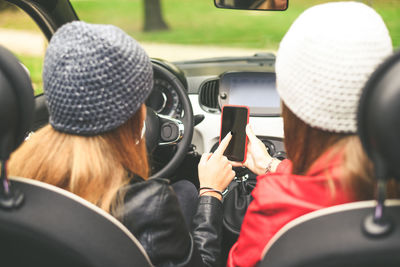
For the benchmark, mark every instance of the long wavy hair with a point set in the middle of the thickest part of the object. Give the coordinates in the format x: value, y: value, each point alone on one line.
x: 304, y: 145
x: 92, y: 167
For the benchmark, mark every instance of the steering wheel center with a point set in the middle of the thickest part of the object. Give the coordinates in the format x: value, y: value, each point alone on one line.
x: 164, y: 130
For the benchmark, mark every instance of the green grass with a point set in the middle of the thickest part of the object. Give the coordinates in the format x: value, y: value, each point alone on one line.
x: 35, y: 66
x: 17, y: 20
x: 199, y: 22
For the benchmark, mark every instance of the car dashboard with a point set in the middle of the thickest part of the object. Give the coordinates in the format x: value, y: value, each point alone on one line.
x: 208, y: 92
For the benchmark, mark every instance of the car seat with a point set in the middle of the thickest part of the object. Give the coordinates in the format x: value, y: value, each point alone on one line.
x: 365, y: 233
x: 40, y: 224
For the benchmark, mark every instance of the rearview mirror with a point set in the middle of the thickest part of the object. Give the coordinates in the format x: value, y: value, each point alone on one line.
x: 253, y: 4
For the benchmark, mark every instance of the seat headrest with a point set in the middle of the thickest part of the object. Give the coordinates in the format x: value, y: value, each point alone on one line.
x: 379, y: 117
x: 16, y: 103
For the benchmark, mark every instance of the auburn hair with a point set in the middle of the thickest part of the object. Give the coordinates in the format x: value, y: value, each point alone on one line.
x: 92, y: 167
x: 305, y: 144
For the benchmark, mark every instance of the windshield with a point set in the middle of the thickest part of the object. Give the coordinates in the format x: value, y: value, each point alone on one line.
x: 179, y: 31
x: 193, y: 29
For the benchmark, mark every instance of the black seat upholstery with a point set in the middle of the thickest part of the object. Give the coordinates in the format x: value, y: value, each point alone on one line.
x: 56, y: 228
x: 16, y: 103
x: 335, y: 237
x: 359, y: 234
x: 42, y: 225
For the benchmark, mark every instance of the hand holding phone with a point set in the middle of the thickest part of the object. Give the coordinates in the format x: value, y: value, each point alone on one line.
x: 234, y: 119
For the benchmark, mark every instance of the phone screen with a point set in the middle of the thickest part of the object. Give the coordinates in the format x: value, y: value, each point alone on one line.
x: 235, y: 119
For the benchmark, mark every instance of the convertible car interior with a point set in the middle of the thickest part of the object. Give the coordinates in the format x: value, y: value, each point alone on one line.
x: 183, y: 118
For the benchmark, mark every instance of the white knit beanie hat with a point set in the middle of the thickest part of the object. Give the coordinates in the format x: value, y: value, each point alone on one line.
x: 325, y: 59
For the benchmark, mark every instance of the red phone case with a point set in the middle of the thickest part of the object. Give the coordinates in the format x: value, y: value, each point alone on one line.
x: 220, y: 132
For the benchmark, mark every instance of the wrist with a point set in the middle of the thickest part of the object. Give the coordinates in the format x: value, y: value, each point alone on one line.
x: 262, y: 164
x: 209, y: 191
x: 272, y: 165
x: 212, y: 194
x: 208, y: 186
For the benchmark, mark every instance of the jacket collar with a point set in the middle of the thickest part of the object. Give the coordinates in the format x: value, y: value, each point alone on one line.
x: 330, y: 160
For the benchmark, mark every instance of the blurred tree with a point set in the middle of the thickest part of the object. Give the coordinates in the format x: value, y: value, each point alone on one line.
x: 153, y: 19
x: 6, y: 6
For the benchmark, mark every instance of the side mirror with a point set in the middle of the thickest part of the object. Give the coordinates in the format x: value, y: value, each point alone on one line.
x: 280, y: 5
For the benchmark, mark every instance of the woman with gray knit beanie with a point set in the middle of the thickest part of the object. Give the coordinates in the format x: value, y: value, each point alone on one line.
x: 96, y: 80
x: 323, y: 62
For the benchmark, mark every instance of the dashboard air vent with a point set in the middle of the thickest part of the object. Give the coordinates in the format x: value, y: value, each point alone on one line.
x: 208, y: 95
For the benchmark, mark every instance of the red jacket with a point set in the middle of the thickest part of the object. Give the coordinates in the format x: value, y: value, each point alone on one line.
x: 281, y: 197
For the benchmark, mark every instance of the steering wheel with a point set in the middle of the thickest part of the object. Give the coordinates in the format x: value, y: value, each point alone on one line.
x: 162, y: 130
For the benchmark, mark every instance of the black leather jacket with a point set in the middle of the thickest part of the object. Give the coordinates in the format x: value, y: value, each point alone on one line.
x: 151, y: 212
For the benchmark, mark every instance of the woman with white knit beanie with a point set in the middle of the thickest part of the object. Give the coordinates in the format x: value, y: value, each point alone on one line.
x: 322, y: 64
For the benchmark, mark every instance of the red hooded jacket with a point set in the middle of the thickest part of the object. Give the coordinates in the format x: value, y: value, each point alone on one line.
x: 281, y: 197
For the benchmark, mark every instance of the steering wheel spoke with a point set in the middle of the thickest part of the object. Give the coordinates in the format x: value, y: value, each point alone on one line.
x: 172, y: 130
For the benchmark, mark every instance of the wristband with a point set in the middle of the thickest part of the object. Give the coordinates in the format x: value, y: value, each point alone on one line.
x: 205, y: 187
x: 209, y: 189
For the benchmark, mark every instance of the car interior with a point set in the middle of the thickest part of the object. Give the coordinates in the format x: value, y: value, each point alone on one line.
x: 183, y: 111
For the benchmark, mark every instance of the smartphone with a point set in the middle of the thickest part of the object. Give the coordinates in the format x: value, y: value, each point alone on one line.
x: 234, y: 119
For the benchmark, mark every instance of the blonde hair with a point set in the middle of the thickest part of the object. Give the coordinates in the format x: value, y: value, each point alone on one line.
x: 357, y: 171
x: 92, y: 167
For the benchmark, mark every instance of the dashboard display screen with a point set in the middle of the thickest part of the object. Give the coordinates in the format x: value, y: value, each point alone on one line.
x: 256, y: 90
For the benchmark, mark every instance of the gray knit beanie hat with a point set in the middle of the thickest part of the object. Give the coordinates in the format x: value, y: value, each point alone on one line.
x: 325, y: 59
x: 95, y: 78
